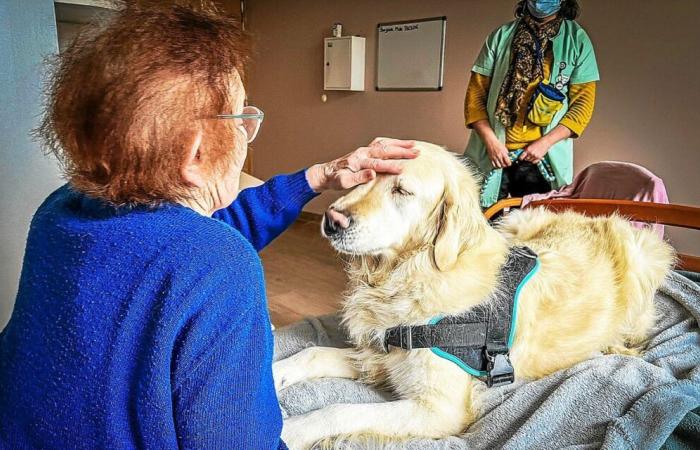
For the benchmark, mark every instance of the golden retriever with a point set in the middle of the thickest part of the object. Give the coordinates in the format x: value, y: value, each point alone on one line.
x: 419, y: 248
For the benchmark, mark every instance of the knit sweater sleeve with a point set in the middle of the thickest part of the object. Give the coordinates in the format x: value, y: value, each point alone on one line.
x: 475, y: 101
x: 230, y: 393
x: 221, y: 370
x: 581, y: 104
x: 261, y: 213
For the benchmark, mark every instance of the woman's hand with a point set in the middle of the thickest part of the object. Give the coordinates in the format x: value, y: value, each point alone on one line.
x: 535, y: 152
x: 362, y: 165
x: 495, y: 149
x: 498, y: 154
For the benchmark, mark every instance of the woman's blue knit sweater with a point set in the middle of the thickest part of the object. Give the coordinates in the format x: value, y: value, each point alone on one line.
x: 145, y: 328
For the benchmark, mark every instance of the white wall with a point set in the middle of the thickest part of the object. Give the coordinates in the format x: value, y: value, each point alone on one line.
x: 27, y: 35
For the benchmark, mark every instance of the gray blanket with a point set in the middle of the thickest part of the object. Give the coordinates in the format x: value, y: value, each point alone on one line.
x: 609, y: 401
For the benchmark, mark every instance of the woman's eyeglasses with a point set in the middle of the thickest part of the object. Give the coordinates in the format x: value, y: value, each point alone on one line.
x: 251, y: 119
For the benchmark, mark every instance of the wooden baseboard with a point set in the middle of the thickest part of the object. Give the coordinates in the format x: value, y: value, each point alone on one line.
x: 306, y: 216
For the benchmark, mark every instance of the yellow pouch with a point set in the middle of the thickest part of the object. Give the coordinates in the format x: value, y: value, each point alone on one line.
x: 546, y: 101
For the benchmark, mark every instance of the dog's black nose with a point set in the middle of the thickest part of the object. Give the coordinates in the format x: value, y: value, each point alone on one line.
x: 329, y: 226
x: 334, y: 221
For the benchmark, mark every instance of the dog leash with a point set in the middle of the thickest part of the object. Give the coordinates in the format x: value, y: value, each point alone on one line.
x: 543, y: 166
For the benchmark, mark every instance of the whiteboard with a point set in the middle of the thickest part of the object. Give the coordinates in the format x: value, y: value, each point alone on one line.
x: 411, y: 55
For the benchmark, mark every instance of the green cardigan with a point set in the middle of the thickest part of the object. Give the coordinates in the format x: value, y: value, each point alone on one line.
x: 574, y: 62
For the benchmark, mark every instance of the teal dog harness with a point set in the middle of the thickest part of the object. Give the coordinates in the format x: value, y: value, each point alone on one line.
x: 478, y: 340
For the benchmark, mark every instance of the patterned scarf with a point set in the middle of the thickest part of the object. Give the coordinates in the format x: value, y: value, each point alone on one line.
x: 524, y: 65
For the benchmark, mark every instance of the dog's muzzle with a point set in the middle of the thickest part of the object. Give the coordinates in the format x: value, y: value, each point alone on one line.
x: 334, y: 222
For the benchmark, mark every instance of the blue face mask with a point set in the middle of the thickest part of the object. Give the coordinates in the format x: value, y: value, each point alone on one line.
x: 543, y: 8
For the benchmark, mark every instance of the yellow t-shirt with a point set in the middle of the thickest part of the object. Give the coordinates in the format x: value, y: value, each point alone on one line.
x: 523, y: 132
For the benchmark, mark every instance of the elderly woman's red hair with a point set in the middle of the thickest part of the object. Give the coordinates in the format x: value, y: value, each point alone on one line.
x: 128, y: 97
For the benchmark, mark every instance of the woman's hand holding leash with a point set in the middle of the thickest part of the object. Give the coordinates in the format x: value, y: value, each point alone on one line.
x: 497, y: 151
x: 535, y: 152
x: 498, y: 154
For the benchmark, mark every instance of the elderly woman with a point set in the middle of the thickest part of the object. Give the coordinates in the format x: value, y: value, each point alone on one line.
x: 141, y: 318
x: 531, y: 91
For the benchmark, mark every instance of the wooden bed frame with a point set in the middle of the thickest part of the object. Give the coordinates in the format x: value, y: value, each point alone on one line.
x: 674, y: 215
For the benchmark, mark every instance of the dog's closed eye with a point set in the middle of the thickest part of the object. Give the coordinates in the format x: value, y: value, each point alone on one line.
x: 400, y: 190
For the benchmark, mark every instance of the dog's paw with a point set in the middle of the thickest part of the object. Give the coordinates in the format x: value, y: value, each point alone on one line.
x: 286, y: 373
x: 298, y: 434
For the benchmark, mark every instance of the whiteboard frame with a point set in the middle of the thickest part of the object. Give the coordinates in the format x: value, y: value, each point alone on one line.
x: 442, y: 56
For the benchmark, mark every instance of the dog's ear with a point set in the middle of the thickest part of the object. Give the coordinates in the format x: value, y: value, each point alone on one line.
x: 459, y: 225
x: 447, y: 245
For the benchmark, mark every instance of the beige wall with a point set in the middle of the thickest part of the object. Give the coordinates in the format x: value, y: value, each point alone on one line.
x: 647, y: 108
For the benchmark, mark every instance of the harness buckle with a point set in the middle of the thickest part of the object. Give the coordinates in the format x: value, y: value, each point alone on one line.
x: 400, y: 337
x: 406, y: 335
x: 388, y: 335
x: 500, y: 371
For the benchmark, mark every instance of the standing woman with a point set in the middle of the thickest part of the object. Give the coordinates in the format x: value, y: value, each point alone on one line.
x: 532, y: 90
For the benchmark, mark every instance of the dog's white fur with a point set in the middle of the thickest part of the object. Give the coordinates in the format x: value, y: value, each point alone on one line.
x: 420, y: 247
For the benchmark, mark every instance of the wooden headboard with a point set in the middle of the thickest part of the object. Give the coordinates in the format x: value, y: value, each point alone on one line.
x: 674, y: 215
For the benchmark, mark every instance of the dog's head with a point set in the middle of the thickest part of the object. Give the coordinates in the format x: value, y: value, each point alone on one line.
x: 434, y: 203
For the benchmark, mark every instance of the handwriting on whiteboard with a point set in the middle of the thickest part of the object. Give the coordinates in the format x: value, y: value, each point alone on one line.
x: 401, y: 27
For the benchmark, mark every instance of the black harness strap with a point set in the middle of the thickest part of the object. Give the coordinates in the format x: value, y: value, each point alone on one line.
x: 427, y: 336
x: 479, y: 339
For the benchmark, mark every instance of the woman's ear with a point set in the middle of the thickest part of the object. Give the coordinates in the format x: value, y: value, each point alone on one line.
x: 192, y: 169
